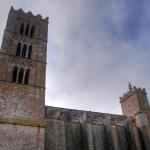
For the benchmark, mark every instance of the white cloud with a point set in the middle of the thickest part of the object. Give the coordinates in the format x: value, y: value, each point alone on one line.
x: 93, y: 51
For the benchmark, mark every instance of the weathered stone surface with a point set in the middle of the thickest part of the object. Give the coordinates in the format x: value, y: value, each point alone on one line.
x: 135, y: 104
x: 55, y: 130
x: 69, y: 129
x: 21, y: 101
x: 15, y: 137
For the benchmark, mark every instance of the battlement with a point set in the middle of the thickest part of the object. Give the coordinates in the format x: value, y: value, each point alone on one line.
x: 29, y: 14
x: 132, y: 90
x: 80, y: 116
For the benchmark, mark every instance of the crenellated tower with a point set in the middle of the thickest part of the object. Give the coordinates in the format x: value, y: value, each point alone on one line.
x: 135, y: 104
x: 22, y: 77
x: 134, y: 101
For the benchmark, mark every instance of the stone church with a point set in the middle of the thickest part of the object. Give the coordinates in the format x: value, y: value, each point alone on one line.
x: 27, y: 124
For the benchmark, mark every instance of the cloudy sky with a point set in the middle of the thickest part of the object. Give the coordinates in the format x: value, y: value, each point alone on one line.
x: 94, y: 48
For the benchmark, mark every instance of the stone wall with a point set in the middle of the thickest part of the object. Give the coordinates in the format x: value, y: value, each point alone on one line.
x: 83, y: 130
x: 21, y: 101
x: 16, y: 137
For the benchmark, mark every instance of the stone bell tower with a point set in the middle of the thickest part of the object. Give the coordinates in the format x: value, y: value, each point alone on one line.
x: 22, y: 81
x: 135, y: 104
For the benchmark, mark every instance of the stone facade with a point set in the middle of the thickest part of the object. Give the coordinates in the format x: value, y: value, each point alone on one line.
x: 22, y: 81
x: 18, y: 137
x: 69, y: 129
x: 27, y: 124
x: 85, y: 130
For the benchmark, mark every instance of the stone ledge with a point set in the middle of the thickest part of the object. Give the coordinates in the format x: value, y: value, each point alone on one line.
x: 33, y: 123
x: 80, y: 116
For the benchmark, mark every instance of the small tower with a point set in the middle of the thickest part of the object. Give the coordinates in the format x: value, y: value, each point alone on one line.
x: 134, y: 101
x: 22, y: 79
x: 135, y: 104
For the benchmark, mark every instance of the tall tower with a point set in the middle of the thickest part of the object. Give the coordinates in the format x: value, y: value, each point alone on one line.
x: 22, y: 81
x: 135, y: 104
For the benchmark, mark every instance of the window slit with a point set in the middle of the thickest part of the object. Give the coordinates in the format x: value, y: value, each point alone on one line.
x: 32, y: 31
x: 14, y: 77
x: 24, y: 51
x: 20, y: 77
x: 30, y: 51
x: 18, y: 49
x: 26, y: 77
x: 22, y: 28
x: 27, y: 29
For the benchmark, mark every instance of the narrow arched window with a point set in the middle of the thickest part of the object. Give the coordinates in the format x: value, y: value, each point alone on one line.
x: 24, y: 51
x: 20, y: 77
x: 30, y: 51
x: 27, y: 29
x: 14, y: 76
x: 22, y: 28
x: 26, y: 79
x: 32, y: 31
x: 18, y: 49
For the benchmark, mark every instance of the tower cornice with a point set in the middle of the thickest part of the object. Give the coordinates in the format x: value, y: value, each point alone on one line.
x: 131, y: 91
x: 29, y: 13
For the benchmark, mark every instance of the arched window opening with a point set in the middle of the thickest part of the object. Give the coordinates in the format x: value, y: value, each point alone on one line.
x: 24, y: 51
x: 30, y: 51
x: 27, y: 29
x: 32, y: 31
x: 27, y: 77
x: 14, y: 77
x: 18, y: 49
x: 20, y: 77
x: 22, y: 28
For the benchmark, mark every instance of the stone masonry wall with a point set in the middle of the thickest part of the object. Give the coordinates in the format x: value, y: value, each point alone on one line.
x: 21, y: 101
x: 82, y: 130
x: 37, y: 63
x: 15, y: 137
